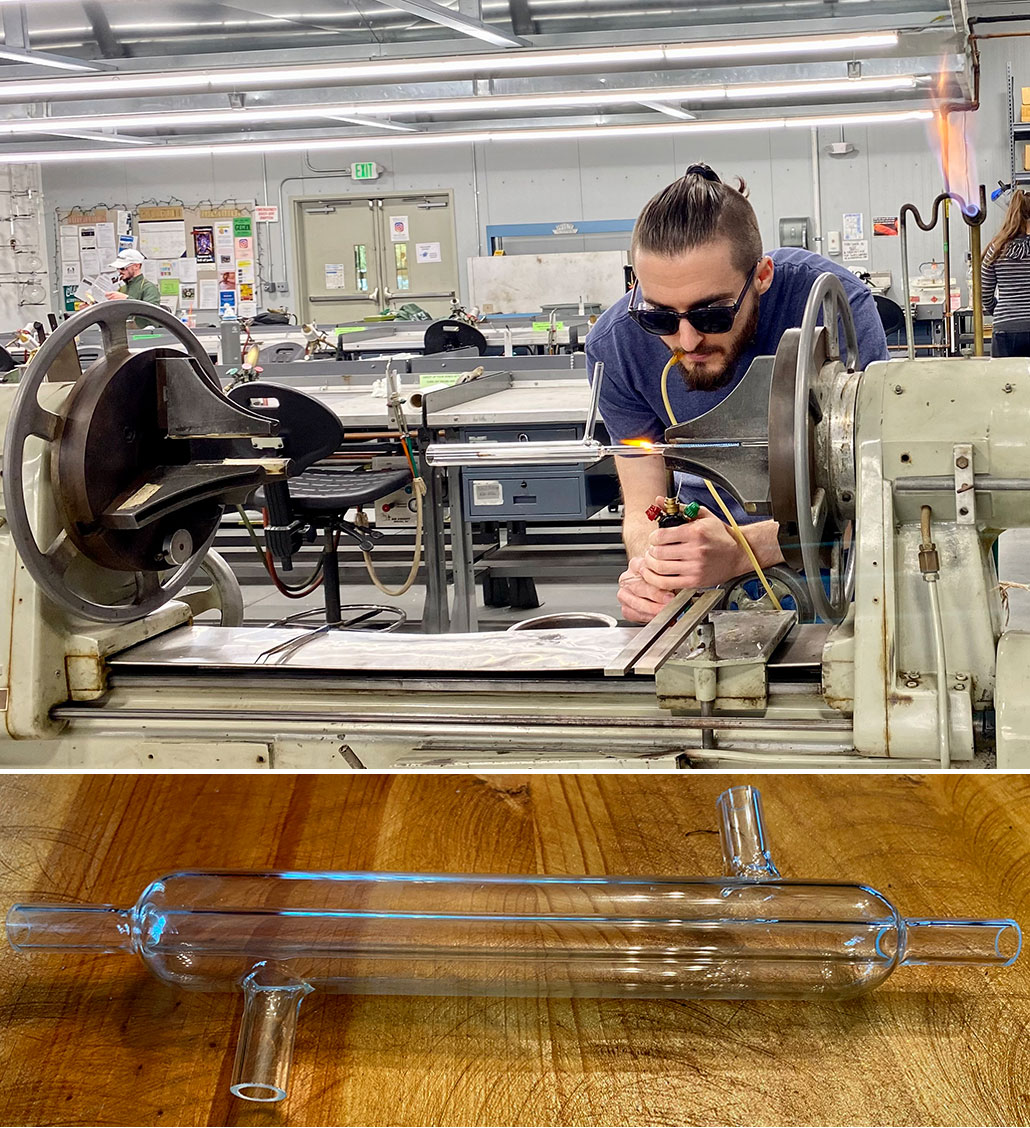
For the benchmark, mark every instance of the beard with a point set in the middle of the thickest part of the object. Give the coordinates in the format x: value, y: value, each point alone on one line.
x: 705, y: 377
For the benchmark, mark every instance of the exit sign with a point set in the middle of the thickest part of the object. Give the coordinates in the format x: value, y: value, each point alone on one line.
x: 364, y: 170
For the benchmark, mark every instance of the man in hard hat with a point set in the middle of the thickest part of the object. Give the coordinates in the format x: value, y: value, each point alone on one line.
x: 129, y: 265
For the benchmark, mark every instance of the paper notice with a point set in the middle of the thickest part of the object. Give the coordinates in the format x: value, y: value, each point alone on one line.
x: 428, y: 252
x: 152, y: 271
x: 91, y: 263
x: 854, y: 226
x: 165, y: 239
x: 244, y: 247
x: 87, y: 238
x: 398, y: 228
x: 71, y: 273
x: 334, y: 276
x: 187, y: 269
x: 225, y: 245
x: 207, y: 293
x: 69, y: 248
x: 855, y: 250
x: 106, y: 243
x: 245, y: 271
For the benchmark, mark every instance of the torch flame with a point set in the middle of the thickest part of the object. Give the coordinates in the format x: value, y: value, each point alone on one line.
x: 645, y: 444
x: 949, y: 137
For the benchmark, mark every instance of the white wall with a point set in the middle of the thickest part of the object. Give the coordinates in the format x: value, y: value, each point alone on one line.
x: 602, y: 179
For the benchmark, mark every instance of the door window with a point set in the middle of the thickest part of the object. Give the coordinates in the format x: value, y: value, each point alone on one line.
x: 400, y: 256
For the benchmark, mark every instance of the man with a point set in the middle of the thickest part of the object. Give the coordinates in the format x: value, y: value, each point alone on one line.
x: 129, y: 265
x: 698, y: 258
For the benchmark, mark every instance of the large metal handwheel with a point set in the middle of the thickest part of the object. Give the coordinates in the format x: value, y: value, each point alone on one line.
x: 802, y: 505
x: 134, y: 592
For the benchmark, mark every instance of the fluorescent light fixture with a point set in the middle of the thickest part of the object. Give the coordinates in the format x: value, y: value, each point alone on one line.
x: 172, y: 119
x: 431, y: 68
x: 463, y: 137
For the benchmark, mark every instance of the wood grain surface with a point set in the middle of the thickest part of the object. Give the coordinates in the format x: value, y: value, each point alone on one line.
x: 95, y: 1040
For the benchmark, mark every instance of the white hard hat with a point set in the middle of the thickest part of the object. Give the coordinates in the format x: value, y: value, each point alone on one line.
x: 127, y: 258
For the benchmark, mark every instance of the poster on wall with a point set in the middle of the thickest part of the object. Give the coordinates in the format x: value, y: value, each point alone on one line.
x: 227, y: 305
x: 856, y: 250
x: 398, y: 228
x: 428, y: 252
x: 885, y: 225
x: 204, y: 244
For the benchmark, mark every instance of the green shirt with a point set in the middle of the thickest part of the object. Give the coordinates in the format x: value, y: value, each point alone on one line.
x: 141, y: 289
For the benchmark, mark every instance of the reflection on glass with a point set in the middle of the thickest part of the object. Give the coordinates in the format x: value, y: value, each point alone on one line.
x: 400, y: 254
x: 361, y: 267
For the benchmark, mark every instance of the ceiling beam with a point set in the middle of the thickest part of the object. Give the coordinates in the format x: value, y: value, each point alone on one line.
x: 106, y: 39
x: 447, y: 17
x: 16, y: 44
x: 670, y: 110
x: 521, y: 21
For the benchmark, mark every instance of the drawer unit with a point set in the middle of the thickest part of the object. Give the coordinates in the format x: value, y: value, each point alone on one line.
x: 536, y: 493
x: 533, y: 433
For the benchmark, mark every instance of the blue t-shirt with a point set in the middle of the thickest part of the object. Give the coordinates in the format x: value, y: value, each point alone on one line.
x: 631, y: 396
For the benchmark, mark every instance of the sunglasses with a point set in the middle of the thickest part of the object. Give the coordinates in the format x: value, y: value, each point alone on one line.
x: 704, y: 319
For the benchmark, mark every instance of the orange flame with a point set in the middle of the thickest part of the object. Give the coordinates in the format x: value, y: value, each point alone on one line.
x: 646, y: 444
x: 949, y: 137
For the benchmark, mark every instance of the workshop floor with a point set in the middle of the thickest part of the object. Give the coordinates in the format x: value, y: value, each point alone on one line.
x: 264, y: 605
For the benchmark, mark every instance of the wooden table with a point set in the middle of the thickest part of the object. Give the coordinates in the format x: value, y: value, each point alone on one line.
x: 95, y: 1040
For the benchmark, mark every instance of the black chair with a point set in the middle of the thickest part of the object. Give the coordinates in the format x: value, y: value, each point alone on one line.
x: 892, y: 316
x: 314, y: 497
x: 445, y: 336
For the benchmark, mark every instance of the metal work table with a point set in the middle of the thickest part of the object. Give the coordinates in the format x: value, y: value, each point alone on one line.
x: 411, y: 340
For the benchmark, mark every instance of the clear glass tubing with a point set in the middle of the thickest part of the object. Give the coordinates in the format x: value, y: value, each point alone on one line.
x: 568, y: 452
x: 277, y: 936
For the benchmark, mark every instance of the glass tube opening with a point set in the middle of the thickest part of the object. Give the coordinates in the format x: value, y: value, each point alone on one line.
x: 97, y: 928
x: 745, y: 849
x: 977, y: 943
x: 264, y: 1053
x: 252, y: 1092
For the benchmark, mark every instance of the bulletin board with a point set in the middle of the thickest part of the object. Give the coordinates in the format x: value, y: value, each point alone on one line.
x: 201, y: 257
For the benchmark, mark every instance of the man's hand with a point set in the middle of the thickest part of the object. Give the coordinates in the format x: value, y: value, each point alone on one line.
x: 114, y: 295
x: 640, y: 601
x: 700, y: 554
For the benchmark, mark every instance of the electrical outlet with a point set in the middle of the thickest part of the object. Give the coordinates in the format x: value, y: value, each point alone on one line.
x: 283, y: 287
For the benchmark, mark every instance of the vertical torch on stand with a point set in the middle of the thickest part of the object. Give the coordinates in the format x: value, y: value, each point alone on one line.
x: 974, y: 221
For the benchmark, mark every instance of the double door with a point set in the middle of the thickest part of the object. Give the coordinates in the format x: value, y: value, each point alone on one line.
x: 359, y: 255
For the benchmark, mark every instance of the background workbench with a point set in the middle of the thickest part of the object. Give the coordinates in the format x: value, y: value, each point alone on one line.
x: 95, y: 1040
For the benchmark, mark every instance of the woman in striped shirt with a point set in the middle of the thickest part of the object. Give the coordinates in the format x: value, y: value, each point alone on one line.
x: 1006, y: 280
